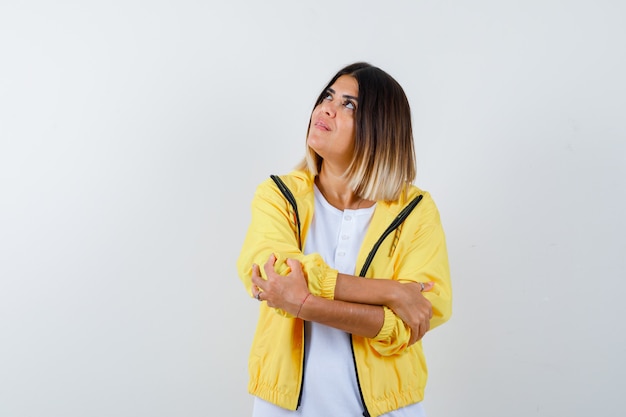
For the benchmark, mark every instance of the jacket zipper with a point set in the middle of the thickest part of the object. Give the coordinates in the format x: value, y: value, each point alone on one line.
x: 366, y: 413
x: 302, y: 378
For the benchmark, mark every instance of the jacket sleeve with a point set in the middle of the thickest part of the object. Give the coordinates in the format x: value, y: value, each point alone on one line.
x: 421, y: 257
x: 273, y: 230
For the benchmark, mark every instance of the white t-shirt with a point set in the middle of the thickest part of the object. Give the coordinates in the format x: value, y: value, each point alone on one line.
x: 329, y: 387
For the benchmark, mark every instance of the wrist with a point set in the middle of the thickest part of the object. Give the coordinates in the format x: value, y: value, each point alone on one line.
x: 390, y: 292
x: 306, y: 297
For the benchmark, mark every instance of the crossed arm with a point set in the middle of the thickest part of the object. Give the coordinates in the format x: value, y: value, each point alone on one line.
x: 357, y: 307
x: 392, y: 312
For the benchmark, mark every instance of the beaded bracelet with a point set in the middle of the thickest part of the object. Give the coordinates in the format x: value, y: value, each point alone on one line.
x: 301, y: 304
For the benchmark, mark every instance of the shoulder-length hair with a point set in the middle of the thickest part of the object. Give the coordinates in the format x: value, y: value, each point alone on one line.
x: 383, y: 163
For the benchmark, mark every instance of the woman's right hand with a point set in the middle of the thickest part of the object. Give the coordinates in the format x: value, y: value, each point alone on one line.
x: 413, y: 308
x: 284, y: 292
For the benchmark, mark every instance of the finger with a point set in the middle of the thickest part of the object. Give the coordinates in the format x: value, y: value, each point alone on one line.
x: 255, y: 270
x: 294, y: 265
x: 257, y: 280
x: 255, y: 291
x: 428, y: 286
x: 417, y: 335
x: 269, y: 265
x: 415, y: 330
x: 418, y: 332
x: 424, y: 329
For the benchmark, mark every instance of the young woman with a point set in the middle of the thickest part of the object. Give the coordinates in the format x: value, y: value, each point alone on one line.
x: 349, y: 261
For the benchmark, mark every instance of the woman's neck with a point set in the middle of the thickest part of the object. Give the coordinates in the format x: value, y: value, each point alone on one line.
x: 337, y: 191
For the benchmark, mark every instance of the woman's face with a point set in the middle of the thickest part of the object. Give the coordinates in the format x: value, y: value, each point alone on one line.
x: 332, y: 129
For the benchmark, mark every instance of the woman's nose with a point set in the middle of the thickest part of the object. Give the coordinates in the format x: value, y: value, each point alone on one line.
x: 328, y: 107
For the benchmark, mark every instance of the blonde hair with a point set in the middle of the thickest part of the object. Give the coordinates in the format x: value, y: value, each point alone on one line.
x: 383, y: 163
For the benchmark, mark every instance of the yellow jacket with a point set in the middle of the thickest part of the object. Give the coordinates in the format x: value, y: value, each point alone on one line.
x: 391, y: 375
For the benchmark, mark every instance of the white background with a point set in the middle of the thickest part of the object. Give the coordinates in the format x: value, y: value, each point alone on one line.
x: 133, y: 134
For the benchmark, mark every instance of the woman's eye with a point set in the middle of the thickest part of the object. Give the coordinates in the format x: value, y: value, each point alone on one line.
x: 349, y: 105
x: 328, y: 96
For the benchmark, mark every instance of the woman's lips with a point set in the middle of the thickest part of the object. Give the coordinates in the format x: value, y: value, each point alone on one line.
x: 321, y: 125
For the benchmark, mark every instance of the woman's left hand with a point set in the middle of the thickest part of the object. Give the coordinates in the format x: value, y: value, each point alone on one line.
x: 283, y: 292
x: 413, y: 308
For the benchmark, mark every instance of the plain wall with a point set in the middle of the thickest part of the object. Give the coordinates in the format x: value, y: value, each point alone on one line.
x: 133, y: 135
